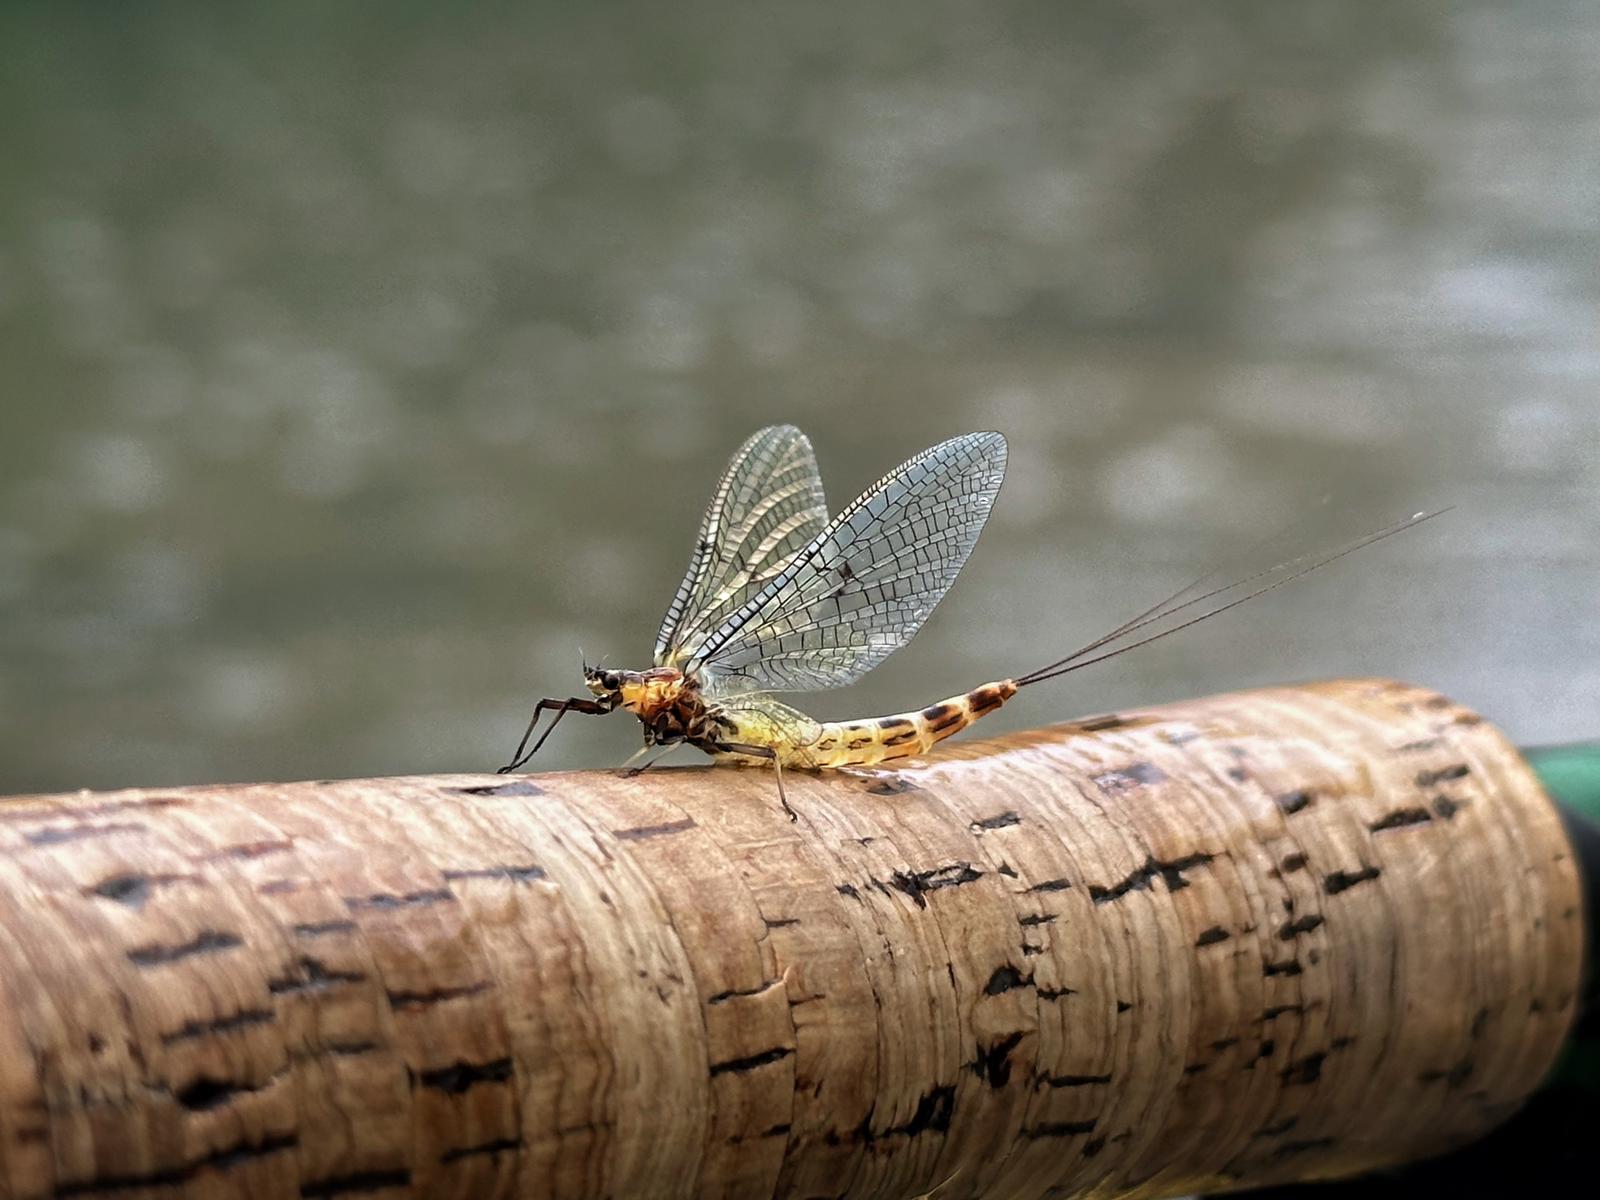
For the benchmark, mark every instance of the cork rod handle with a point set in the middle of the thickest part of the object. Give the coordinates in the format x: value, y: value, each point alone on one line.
x: 1283, y: 934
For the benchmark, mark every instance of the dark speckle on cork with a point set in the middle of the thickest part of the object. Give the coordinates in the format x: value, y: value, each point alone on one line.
x: 889, y: 784
x: 510, y: 873
x: 1446, y: 807
x: 216, y: 1026
x: 55, y: 834
x: 932, y: 1115
x: 1480, y: 1022
x: 1170, y: 873
x: 359, y: 1181
x: 1073, y: 1081
x: 640, y: 833
x: 1419, y: 746
x: 916, y: 883
x: 1340, y: 881
x: 993, y: 1063
x: 1055, y: 1129
x: 1429, y: 778
x: 225, y: 1158
x: 1293, y: 802
x: 461, y: 1077
x: 738, y: 1066
x: 413, y: 1000
x: 207, y: 941
x: 1304, y: 1070
x: 1301, y: 925
x: 1400, y: 818
x: 1129, y: 778
x: 998, y: 821
x: 1276, y: 1128
x: 1453, y: 1077
x: 501, y: 1145
x: 1100, y: 724
x: 517, y: 787
x: 1051, y: 885
x: 387, y: 901
x: 131, y: 890
x: 1006, y: 979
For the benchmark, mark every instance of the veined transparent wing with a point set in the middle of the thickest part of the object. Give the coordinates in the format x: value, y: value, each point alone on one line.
x: 864, y: 586
x: 771, y: 722
x: 767, y: 507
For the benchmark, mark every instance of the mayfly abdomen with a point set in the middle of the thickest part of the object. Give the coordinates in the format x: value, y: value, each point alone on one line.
x: 879, y: 739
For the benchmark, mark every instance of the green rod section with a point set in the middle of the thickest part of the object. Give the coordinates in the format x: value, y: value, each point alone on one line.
x: 1571, y: 774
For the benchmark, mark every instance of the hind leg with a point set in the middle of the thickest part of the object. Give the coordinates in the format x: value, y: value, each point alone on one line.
x: 760, y: 752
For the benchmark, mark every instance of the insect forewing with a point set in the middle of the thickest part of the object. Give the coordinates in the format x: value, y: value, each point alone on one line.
x: 864, y: 586
x: 767, y: 506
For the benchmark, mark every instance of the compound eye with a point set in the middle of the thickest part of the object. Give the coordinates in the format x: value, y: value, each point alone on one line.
x: 610, y: 680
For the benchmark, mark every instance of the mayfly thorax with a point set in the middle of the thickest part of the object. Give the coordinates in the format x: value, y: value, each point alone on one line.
x: 779, y: 598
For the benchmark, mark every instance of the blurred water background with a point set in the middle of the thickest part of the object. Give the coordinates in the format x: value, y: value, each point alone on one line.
x: 360, y: 363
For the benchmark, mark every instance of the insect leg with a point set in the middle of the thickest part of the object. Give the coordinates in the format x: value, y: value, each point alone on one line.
x: 627, y: 764
x: 777, y: 766
x: 629, y: 771
x: 761, y: 752
x: 561, y: 708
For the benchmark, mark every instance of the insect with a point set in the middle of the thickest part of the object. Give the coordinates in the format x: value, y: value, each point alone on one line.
x: 779, y: 598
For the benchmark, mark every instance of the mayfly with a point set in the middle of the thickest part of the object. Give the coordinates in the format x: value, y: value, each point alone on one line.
x: 779, y: 598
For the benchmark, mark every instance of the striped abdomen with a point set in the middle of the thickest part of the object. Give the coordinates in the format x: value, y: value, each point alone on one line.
x: 878, y: 739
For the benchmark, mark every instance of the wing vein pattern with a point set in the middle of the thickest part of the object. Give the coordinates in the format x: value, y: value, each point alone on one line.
x: 859, y: 589
x: 768, y: 505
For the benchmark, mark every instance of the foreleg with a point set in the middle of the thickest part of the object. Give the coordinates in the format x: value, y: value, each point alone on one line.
x: 561, y: 708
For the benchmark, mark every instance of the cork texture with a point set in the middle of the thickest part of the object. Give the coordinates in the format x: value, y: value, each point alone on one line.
x: 1283, y: 934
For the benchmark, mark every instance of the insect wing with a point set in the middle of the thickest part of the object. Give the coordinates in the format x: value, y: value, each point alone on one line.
x: 767, y: 506
x: 763, y: 721
x: 866, y: 584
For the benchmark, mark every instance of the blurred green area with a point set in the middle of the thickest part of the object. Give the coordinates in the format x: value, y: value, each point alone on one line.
x: 363, y: 362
